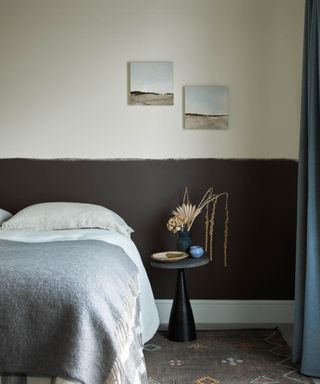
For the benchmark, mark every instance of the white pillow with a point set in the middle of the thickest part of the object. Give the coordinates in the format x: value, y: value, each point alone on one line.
x: 46, y: 216
x: 4, y: 215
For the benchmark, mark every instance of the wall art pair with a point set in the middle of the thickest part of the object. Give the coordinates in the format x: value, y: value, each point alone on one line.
x: 205, y: 107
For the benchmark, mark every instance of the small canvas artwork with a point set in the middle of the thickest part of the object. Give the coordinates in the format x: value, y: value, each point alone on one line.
x: 206, y: 107
x: 151, y: 83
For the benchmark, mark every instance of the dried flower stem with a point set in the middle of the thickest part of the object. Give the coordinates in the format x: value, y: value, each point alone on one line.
x: 207, y: 227
x: 226, y: 228
x: 207, y: 198
x: 186, y: 197
x: 212, y: 222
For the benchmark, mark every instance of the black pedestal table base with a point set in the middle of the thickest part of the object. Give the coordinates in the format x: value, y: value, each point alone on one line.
x: 181, y: 323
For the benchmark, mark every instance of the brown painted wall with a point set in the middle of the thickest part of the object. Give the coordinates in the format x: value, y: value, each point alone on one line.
x: 262, y: 213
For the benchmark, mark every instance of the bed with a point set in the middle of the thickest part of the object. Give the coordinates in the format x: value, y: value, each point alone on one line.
x: 75, y: 301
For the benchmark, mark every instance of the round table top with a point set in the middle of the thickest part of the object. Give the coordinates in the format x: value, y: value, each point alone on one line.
x: 189, y: 262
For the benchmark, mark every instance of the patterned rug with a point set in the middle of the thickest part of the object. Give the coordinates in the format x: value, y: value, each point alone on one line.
x: 222, y: 357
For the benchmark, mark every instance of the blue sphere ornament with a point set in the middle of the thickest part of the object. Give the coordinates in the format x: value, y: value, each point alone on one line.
x: 196, y: 251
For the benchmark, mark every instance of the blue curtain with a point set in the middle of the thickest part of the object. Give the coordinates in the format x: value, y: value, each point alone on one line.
x: 306, y: 346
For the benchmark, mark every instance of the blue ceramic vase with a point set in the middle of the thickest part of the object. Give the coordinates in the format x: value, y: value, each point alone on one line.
x: 184, y: 241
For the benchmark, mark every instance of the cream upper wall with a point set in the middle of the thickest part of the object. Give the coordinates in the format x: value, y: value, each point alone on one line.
x: 63, y: 76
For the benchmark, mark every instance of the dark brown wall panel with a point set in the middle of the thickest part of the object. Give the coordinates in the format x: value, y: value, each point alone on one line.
x: 262, y: 213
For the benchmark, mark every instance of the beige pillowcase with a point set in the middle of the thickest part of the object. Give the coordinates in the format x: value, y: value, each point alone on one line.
x: 46, y: 216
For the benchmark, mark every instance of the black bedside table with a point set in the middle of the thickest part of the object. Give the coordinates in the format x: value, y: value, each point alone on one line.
x: 181, y: 324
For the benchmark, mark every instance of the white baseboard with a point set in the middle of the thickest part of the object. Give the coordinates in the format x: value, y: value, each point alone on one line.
x: 233, y: 312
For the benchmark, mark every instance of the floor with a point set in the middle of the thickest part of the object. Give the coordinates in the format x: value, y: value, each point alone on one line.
x: 232, y: 356
x: 287, y: 333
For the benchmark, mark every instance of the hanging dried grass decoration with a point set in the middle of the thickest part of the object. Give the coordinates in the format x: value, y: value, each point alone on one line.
x: 226, y: 228
x: 211, y: 225
x: 212, y: 198
x: 206, y: 221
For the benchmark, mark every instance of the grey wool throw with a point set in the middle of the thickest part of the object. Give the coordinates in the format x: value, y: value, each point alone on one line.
x: 70, y: 309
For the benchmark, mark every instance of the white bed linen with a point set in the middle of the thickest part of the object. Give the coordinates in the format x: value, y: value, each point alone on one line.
x: 149, y: 313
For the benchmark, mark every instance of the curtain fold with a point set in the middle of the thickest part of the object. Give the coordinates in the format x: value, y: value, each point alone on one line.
x: 306, y: 345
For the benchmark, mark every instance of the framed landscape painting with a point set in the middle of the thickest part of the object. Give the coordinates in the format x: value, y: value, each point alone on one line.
x: 206, y: 107
x: 151, y: 83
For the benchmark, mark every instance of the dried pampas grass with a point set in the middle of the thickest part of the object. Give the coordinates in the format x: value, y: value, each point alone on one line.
x: 185, y: 214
